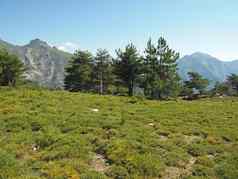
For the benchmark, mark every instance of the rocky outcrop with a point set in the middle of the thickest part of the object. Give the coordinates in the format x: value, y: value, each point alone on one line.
x: 44, y: 64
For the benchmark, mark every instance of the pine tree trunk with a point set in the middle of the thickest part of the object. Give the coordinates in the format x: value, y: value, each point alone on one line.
x: 101, y: 85
x: 131, y: 86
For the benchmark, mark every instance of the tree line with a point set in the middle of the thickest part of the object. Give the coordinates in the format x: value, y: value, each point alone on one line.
x: 153, y: 74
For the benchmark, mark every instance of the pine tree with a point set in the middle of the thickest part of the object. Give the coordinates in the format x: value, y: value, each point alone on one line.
x: 150, y: 69
x: 222, y: 88
x: 11, y: 69
x: 79, y: 72
x: 103, y: 70
x: 232, y: 81
x: 195, y: 83
x: 161, y: 78
x: 127, y: 67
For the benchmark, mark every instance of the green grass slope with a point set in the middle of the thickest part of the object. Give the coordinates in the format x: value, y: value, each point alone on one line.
x: 56, y: 134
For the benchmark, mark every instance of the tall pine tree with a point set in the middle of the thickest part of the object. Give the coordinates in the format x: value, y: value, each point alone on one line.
x: 232, y: 81
x: 127, y: 67
x: 79, y: 72
x: 11, y: 69
x: 103, y: 70
x: 150, y: 70
x: 161, y: 78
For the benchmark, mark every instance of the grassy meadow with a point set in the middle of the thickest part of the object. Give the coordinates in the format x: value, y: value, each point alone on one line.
x: 60, y: 135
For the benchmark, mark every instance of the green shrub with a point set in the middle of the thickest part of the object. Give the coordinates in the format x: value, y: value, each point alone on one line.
x: 45, y: 140
x: 35, y: 126
x: 227, y: 166
x: 196, y: 150
x: 202, y: 171
x: 7, y: 160
x: 117, y: 172
x: 9, y: 166
x: 153, y: 135
x: 205, y: 161
x: 176, y: 158
x: 92, y: 175
x: 119, y: 151
x: 146, y: 165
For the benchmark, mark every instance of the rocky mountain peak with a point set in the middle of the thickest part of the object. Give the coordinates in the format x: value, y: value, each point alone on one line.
x: 201, y: 55
x: 36, y: 43
x: 44, y: 64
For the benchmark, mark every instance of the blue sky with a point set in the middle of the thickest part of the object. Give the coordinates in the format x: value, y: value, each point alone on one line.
x: 209, y: 26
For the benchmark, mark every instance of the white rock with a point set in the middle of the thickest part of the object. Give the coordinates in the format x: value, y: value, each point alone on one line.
x: 95, y: 110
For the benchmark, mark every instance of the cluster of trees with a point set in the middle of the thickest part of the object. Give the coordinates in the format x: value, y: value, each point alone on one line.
x: 11, y: 69
x: 197, y: 86
x: 87, y: 73
x: 228, y: 88
x: 154, y: 74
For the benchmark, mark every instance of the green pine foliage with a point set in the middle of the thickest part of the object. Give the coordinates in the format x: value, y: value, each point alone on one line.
x: 103, y: 71
x: 220, y: 89
x: 127, y: 67
x: 160, y: 66
x: 154, y: 76
x: 196, y: 85
x: 79, y: 72
x: 227, y: 88
x: 11, y: 69
x: 232, y: 81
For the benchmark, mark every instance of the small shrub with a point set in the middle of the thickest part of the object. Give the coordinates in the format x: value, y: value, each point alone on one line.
x: 196, y: 150
x: 92, y: 175
x: 9, y: 167
x: 202, y: 171
x: 227, y: 166
x: 117, y: 172
x: 146, y: 165
x: 205, y: 161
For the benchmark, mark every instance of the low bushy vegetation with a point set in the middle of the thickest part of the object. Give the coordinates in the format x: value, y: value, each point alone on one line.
x: 56, y: 134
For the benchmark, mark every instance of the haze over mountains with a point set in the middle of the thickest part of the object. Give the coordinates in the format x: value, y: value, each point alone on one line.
x: 45, y: 64
x: 208, y: 66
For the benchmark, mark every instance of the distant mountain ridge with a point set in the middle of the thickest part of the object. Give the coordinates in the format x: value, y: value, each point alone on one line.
x: 208, y: 66
x: 45, y: 64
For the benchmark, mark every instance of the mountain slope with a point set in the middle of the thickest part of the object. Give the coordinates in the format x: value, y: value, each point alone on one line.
x: 44, y: 64
x: 208, y: 66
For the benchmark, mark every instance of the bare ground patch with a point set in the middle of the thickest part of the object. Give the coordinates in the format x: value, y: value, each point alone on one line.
x: 176, y: 173
x: 99, y: 163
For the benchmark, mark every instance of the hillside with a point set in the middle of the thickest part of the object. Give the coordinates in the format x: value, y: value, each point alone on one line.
x: 208, y: 66
x: 44, y: 64
x: 56, y: 134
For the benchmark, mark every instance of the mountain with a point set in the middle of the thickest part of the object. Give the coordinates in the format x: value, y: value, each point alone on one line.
x: 208, y: 66
x: 44, y: 64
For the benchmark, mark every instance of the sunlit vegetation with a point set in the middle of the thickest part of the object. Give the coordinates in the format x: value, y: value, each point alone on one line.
x: 57, y: 134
